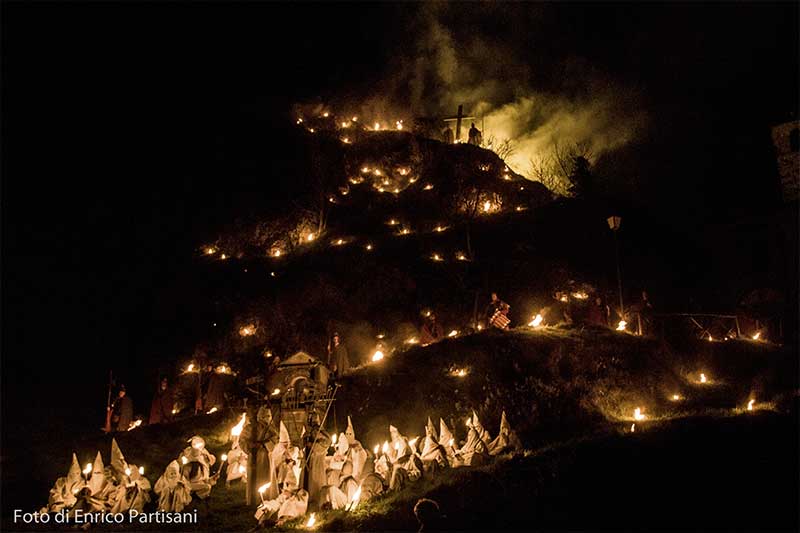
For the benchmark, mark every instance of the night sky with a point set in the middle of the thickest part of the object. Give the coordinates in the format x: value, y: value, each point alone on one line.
x: 122, y: 126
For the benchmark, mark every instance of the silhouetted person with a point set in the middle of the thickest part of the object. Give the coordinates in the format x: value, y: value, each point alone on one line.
x: 428, y: 515
x: 431, y: 331
x: 161, y: 408
x: 645, y: 310
x: 597, y: 314
x: 122, y: 411
x: 338, y: 358
x: 492, y: 307
x: 474, y: 135
x: 447, y: 135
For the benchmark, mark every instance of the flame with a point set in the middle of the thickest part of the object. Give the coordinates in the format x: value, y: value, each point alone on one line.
x: 376, y: 449
x: 377, y: 356
x: 427, y: 187
x: 247, y: 330
x: 127, y: 471
x: 87, y: 469
x: 487, y: 205
x: 621, y: 325
x: 676, y: 397
x: 377, y: 126
x: 174, y: 411
x: 364, y: 169
x: 580, y: 295
x: 190, y: 368
x: 263, y: 488
x: 224, y: 457
x: 703, y: 378
x: 276, y: 392
x: 398, y: 125
x: 339, y: 242
x: 242, y: 469
x: 451, y: 442
x: 141, y: 470
x: 312, y: 519
x: 403, y: 171
x: 392, y: 222
x: 237, y: 429
x: 354, y: 119
x: 480, y: 327
x: 310, y: 237
x: 277, y: 253
x: 368, y: 247
x: 385, y: 447
x: 710, y: 338
x: 536, y: 321
x: 405, y: 231
x: 453, y: 333
x: 346, y: 140
x: 325, y: 114
x: 633, y: 428
x: 135, y: 424
x: 210, y: 250
x: 184, y: 460
x: 300, y: 120
x: 637, y: 414
x: 461, y: 256
x: 459, y: 372
x: 437, y: 257
x: 212, y: 410
x: 750, y: 405
x: 439, y: 229
x: 333, y: 439
x: 757, y: 336
x: 412, y: 340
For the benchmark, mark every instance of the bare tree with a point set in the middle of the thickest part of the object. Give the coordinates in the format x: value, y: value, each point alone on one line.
x: 555, y: 169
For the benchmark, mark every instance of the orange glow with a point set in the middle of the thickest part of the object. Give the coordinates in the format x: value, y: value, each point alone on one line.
x: 621, y: 325
x: 247, y: 330
x: 237, y: 429
x: 377, y: 356
x: 536, y: 321
x: 637, y: 414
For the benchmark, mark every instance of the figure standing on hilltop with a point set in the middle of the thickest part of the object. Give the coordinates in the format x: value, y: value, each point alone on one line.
x: 475, y: 137
x: 338, y: 358
x: 122, y: 411
x: 644, y: 310
x: 161, y: 408
x: 447, y: 135
x: 598, y: 313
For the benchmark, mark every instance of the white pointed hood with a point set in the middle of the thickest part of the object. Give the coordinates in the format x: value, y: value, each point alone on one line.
x: 342, y: 444
x: 98, y: 478
x: 118, y: 463
x: 445, y: 436
x: 430, y: 430
x: 74, y: 478
x: 350, y: 432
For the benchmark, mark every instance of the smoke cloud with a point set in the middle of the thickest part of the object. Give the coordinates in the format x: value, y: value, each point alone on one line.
x: 454, y: 58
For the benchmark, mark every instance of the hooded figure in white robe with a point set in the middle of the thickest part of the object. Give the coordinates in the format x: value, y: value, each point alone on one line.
x: 265, y: 439
x: 133, y: 489
x: 332, y: 497
x: 506, y: 440
x: 62, y: 495
x: 173, y: 489
x: 317, y: 477
x: 288, y: 505
x: 383, y: 469
x: 237, y: 464
x: 335, y: 464
x: 372, y: 485
x: 447, y: 442
x: 281, y: 456
x: 475, y: 451
x: 433, y: 455
x: 358, y: 455
x: 196, y: 467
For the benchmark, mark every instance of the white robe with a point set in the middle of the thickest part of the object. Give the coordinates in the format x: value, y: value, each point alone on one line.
x: 173, y: 489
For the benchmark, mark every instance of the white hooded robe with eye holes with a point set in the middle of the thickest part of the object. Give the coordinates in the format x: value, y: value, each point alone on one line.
x: 173, y: 489
x: 505, y: 439
x: 358, y: 455
x: 197, y: 468
x: 447, y: 441
x: 133, y: 490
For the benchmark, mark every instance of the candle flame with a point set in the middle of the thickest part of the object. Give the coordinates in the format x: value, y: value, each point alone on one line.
x: 141, y: 470
x: 385, y: 447
x: 263, y: 488
x: 633, y: 428
x: 88, y: 468
x: 237, y: 429
x: 703, y: 378
x: 376, y: 449
x: 377, y: 356
x: 312, y: 519
x: 276, y: 392
x: 224, y: 457
x: 453, y: 333
x: 750, y: 405
x: 757, y: 336
x: 212, y: 410
x: 333, y: 439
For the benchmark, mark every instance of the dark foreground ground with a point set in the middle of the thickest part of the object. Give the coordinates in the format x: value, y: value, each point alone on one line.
x: 722, y: 473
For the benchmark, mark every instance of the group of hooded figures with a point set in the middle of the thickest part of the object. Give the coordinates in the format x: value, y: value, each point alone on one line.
x: 341, y: 472
x: 119, y: 487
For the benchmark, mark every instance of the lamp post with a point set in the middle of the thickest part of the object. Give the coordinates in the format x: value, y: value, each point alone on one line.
x: 614, y: 223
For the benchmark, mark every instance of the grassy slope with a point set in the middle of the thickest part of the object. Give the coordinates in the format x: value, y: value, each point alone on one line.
x: 557, y: 386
